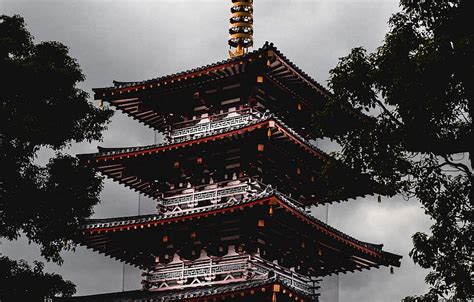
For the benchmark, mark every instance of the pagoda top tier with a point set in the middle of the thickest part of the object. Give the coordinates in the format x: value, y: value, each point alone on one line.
x: 263, y: 80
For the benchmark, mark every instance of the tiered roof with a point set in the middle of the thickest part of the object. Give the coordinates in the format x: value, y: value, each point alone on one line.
x: 231, y: 129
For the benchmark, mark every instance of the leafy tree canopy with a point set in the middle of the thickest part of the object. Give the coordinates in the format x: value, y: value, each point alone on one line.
x: 23, y: 283
x: 411, y: 130
x: 42, y: 107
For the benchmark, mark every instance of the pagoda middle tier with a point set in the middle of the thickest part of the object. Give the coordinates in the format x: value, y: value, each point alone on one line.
x: 222, y: 161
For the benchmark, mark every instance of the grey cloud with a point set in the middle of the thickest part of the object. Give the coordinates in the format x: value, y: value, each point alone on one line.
x: 136, y: 40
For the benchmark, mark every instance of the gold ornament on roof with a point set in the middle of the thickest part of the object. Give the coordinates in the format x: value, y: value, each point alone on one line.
x: 241, y: 27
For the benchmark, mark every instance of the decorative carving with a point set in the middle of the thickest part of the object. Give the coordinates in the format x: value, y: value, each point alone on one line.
x: 201, y: 128
x: 231, y: 190
x: 232, y: 267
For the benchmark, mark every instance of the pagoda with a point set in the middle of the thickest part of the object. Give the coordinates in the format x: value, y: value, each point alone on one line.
x: 233, y: 181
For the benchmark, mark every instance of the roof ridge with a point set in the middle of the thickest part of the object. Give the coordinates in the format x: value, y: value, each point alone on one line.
x: 122, y: 84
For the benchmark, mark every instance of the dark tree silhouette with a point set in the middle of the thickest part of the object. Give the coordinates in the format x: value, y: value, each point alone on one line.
x: 17, y: 282
x: 42, y: 107
x: 411, y: 129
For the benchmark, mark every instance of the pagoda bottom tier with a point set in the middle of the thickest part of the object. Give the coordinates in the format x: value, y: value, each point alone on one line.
x: 255, y: 237
x: 272, y: 289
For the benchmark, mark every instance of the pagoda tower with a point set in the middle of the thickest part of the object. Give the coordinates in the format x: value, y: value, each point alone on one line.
x: 233, y: 181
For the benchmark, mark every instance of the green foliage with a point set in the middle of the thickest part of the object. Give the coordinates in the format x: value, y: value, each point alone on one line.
x: 42, y: 107
x: 448, y: 249
x: 20, y: 282
x: 411, y: 104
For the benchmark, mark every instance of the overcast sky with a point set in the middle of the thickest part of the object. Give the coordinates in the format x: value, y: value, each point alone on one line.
x: 138, y: 40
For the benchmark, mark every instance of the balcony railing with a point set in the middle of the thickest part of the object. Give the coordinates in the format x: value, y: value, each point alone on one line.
x: 210, y: 194
x: 213, y: 123
x: 200, y: 269
x: 231, y: 268
x: 188, y: 201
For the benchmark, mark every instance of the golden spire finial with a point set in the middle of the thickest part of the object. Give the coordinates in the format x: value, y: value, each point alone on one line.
x: 241, y: 29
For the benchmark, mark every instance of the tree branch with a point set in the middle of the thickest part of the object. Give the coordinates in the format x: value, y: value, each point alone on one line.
x: 439, y: 147
x: 392, y: 117
x: 459, y: 166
